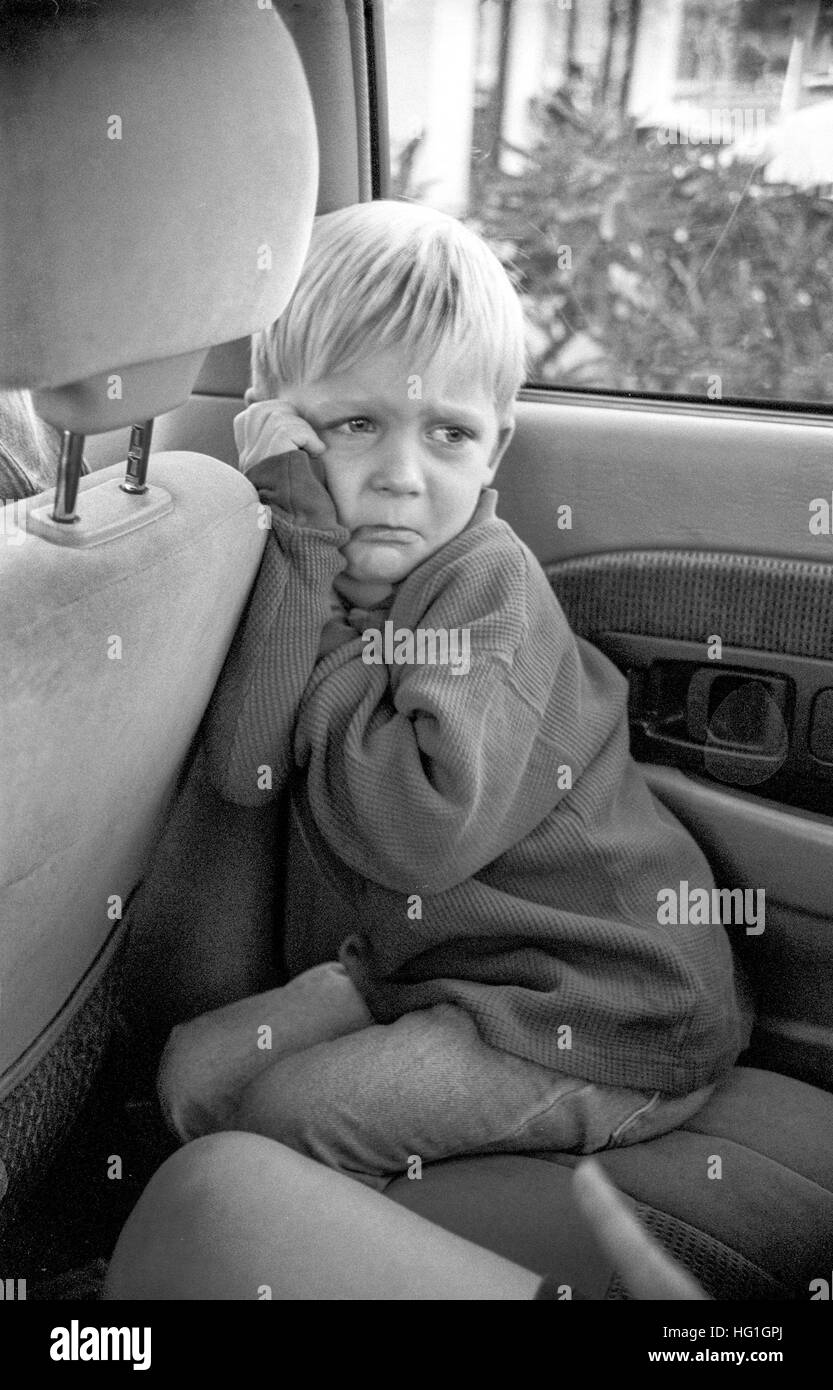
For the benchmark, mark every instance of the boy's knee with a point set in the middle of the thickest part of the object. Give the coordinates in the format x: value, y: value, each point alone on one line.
x: 169, y: 1246
x: 178, y: 1084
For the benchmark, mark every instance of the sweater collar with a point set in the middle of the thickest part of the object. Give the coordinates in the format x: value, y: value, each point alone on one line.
x: 485, y: 509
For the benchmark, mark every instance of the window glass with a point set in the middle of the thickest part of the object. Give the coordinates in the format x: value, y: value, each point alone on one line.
x: 657, y: 175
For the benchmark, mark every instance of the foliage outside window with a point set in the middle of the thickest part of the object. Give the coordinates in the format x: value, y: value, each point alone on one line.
x: 652, y: 256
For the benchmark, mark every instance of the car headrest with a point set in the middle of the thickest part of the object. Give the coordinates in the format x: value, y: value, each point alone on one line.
x: 158, y: 191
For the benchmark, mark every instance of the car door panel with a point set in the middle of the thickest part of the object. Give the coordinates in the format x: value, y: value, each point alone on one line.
x: 788, y: 854
x: 642, y: 475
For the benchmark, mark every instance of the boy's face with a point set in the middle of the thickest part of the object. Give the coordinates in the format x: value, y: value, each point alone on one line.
x: 407, y: 456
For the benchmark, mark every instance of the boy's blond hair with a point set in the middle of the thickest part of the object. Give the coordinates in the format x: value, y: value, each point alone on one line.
x: 388, y: 272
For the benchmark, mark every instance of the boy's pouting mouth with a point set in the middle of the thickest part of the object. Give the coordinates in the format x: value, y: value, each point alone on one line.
x: 405, y: 468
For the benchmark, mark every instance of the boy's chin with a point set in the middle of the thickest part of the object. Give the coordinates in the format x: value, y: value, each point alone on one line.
x: 380, y: 567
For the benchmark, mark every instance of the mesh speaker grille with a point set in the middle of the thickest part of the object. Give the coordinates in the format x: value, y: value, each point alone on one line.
x: 756, y: 601
x: 723, y: 1273
x: 36, y: 1116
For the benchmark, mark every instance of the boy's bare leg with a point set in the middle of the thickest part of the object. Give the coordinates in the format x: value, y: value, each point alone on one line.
x: 208, y: 1061
x: 238, y: 1216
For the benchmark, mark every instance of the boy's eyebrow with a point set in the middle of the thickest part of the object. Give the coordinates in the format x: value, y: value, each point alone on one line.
x: 334, y: 407
x: 355, y: 404
x: 459, y: 408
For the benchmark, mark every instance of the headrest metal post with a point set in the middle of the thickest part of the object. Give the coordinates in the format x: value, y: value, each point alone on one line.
x: 69, y: 472
x: 135, y: 478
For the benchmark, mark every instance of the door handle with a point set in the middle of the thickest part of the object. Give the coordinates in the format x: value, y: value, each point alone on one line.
x: 739, y: 711
x: 762, y: 720
x: 734, y: 719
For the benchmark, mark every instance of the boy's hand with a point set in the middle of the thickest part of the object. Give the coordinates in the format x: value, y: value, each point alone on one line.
x: 277, y: 449
x: 272, y: 427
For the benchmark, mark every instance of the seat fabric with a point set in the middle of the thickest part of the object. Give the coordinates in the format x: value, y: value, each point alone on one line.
x: 87, y: 806
x: 757, y: 1225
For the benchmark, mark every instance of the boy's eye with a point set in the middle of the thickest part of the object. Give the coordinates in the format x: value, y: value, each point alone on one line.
x: 453, y: 434
x: 357, y: 424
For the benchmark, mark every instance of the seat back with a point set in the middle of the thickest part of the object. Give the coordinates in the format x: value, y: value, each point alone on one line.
x: 163, y: 166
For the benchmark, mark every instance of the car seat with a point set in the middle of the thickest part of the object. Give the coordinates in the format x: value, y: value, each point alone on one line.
x: 160, y: 170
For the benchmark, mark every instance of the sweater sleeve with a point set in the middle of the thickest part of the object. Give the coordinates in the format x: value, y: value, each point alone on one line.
x: 418, y: 775
x: 247, y: 730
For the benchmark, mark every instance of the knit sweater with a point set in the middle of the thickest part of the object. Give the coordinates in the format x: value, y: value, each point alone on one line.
x: 480, y: 838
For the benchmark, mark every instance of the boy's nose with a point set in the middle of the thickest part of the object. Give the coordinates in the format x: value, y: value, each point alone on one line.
x: 399, y: 471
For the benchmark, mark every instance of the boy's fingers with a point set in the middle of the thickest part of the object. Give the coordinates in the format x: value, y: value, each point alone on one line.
x: 272, y: 427
x: 298, y: 430
x: 306, y: 438
x: 642, y: 1264
x: 304, y: 435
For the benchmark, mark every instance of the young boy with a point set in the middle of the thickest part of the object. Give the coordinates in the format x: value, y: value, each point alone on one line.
x: 474, y: 860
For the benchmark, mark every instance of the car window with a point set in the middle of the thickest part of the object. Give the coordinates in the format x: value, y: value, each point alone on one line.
x: 657, y: 175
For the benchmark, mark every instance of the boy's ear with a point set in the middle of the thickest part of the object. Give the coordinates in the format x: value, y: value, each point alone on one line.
x: 260, y: 384
x: 505, y: 433
x: 262, y: 388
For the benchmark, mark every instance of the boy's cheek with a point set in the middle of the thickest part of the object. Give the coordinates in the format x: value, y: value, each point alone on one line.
x: 328, y: 472
x: 342, y: 512
x: 324, y: 472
